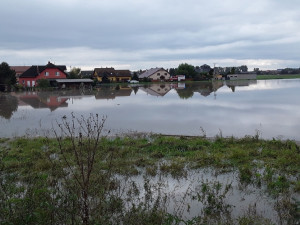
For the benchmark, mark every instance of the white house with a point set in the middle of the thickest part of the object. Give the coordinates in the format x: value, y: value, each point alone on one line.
x: 155, y: 74
x: 242, y: 76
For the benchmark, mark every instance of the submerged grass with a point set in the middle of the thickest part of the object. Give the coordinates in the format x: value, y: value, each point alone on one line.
x: 37, y: 162
x: 279, y: 76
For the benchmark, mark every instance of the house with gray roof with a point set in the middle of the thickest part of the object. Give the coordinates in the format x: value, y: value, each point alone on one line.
x: 155, y: 74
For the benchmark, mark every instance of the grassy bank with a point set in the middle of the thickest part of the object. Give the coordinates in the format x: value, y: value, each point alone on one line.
x: 280, y: 76
x: 43, y: 180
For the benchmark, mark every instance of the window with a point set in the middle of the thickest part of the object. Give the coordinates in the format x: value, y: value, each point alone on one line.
x: 46, y: 73
x: 158, y: 74
x: 57, y: 73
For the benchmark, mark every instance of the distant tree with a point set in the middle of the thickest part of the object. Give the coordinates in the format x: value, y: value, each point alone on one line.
x: 7, y: 76
x: 244, y: 68
x: 74, y: 73
x: 172, y: 71
x: 135, y: 76
x: 187, y: 70
x: 257, y: 71
x: 232, y: 70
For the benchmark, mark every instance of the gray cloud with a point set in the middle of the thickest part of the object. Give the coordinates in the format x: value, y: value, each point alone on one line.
x: 140, y: 33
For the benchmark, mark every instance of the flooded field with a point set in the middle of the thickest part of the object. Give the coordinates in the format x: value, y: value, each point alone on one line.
x: 268, y: 107
x: 150, y: 179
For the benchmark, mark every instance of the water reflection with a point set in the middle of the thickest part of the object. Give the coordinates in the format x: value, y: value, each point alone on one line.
x: 239, y: 83
x: 157, y: 89
x: 8, y: 105
x: 56, y: 99
x: 111, y: 92
x: 236, y: 107
x: 38, y: 100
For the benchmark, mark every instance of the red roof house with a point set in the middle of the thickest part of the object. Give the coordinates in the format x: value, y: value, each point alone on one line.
x: 19, y: 70
x: 50, y: 72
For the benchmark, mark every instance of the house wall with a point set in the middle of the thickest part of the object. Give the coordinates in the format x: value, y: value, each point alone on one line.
x: 241, y: 76
x: 28, y: 82
x: 49, y: 73
x: 115, y: 79
x: 156, y: 76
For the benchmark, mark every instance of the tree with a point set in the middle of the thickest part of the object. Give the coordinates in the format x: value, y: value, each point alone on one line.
x: 135, y: 76
x: 84, y: 135
x: 43, y: 83
x: 7, y: 76
x: 172, y: 72
x: 232, y: 70
x: 187, y: 70
x: 244, y: 68
x: 74, y: 73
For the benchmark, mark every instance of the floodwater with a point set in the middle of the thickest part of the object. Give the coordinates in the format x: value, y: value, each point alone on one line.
x: 269, y: 108
x: 186, y: 198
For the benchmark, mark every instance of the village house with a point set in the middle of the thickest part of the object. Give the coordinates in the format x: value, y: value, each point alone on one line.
x: 86, y: 74
x: 242, y: 76
x: 111, y: 75
x: 155, y: 74
x: 50, y: 72
x: 19, y: 70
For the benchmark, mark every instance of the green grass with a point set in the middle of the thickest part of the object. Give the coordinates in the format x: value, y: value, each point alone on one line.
x: 141, y: 152
x: 272, y: 163
x: 280, y: 76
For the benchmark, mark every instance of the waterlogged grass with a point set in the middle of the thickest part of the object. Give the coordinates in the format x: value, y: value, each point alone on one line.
x: 37, y: 186
x: 279, y: 76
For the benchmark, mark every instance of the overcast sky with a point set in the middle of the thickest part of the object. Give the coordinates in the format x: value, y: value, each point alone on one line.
x: 139, y: 34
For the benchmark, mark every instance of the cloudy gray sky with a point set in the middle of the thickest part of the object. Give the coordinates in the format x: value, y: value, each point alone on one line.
x: 139, y: 34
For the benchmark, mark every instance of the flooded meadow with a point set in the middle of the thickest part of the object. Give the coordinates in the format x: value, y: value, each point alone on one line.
x: 231, y: 108
x: 156, y: 163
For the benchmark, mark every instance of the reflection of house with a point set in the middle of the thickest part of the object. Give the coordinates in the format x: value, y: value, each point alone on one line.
x: 242, y: 76
x: 155, y: 74
x: 112, y: 92
x: 239, y: 83
x: 50, y: 72
x: 177, y: 85
x: 43, y: 100
x: 19, y: 70
x: 157, y: 89
x: 112, y: 75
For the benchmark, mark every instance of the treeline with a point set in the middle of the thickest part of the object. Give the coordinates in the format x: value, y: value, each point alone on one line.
x: 205, y: 72
x: 7, y: 77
